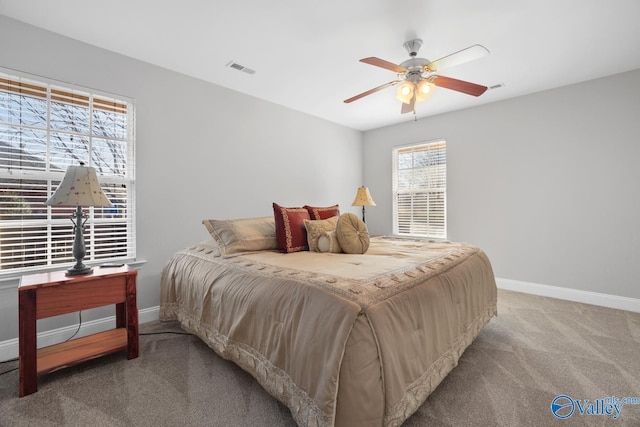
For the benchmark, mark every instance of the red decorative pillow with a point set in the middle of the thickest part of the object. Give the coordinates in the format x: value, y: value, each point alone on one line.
x: 290, y: 231
x: 322, y: 213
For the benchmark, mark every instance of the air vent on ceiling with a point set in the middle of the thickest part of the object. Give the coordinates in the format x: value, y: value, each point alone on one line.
x: 236, y: 66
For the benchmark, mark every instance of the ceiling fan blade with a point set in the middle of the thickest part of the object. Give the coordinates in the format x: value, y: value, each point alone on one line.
x: 370, y: 91
x: 407, y: 108
x: 458, y: 85
x: 465, y: 55
x: 384, y: 64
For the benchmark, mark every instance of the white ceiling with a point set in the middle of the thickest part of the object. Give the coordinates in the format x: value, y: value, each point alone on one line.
x: 305, y: 53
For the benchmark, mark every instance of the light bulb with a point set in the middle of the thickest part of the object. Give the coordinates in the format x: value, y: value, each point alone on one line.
x: 405, y: 92
x: 425, y: 88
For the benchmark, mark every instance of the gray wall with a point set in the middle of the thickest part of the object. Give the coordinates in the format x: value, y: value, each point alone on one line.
x: 203, y: 151
x: 547, y: 184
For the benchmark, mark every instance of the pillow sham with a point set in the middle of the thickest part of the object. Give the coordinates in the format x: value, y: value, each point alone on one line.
x: 352, y: 234
x: 316, y: 227
x: 328, y: 242
x: 238, y: 236
x: 317, y: 213
x: 290, y: 231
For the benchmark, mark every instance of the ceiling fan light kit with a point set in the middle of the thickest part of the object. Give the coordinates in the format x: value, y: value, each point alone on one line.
x: 418, y: 78
x: 405, y: 92
x: 422, y: 90
x: 425, y: 89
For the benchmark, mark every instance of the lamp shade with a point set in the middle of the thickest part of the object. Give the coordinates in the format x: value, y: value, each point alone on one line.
x: 363, y: 198
x: 424, y: 90
x: 405, y: 92
x: 79, y: 187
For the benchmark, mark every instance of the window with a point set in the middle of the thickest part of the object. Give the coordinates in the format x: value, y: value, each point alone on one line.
x: 44, y: 128
x: 420, y: 190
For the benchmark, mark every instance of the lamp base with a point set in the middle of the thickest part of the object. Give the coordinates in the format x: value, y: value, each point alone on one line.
x: 79, y: 250
x: 79, y: 269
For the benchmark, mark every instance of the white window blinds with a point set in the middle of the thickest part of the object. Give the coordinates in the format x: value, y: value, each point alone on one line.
x: 420, y: 189
x: 44, y: 128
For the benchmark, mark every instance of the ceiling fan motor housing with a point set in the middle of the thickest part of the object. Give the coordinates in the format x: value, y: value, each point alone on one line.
x: 415, y: 69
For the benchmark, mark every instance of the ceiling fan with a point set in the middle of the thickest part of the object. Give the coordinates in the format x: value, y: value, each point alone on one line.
x: 417, y: 76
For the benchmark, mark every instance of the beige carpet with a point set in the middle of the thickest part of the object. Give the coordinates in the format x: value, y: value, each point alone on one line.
x: 536, y: 349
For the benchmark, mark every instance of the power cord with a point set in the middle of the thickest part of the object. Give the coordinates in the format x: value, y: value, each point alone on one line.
x: 77, y: 330
x: 9, y: 361
x: 68, y: 339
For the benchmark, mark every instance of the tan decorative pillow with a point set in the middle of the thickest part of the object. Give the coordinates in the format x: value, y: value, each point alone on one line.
x: 352, y: 234
x: 238, y: 236
x: 328, y: 242
x: 316, y: 227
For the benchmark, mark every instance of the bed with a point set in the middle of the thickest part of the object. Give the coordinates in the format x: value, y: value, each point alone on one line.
x: 340, y: 339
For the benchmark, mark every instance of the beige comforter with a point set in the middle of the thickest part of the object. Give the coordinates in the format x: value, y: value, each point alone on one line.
x: 345, y: 340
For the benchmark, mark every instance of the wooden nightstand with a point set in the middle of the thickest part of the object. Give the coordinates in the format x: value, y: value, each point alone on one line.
x: 51, y: 294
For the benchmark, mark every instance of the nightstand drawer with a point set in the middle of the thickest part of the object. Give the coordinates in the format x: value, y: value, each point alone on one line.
x: 71, y: 297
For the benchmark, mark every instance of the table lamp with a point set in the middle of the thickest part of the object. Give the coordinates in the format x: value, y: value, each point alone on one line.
x: 363, y: 198
x: 79, y: 188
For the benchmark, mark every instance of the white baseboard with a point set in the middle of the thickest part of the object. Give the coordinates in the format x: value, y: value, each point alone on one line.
x: 9, y: 348
x: 576, y: 295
